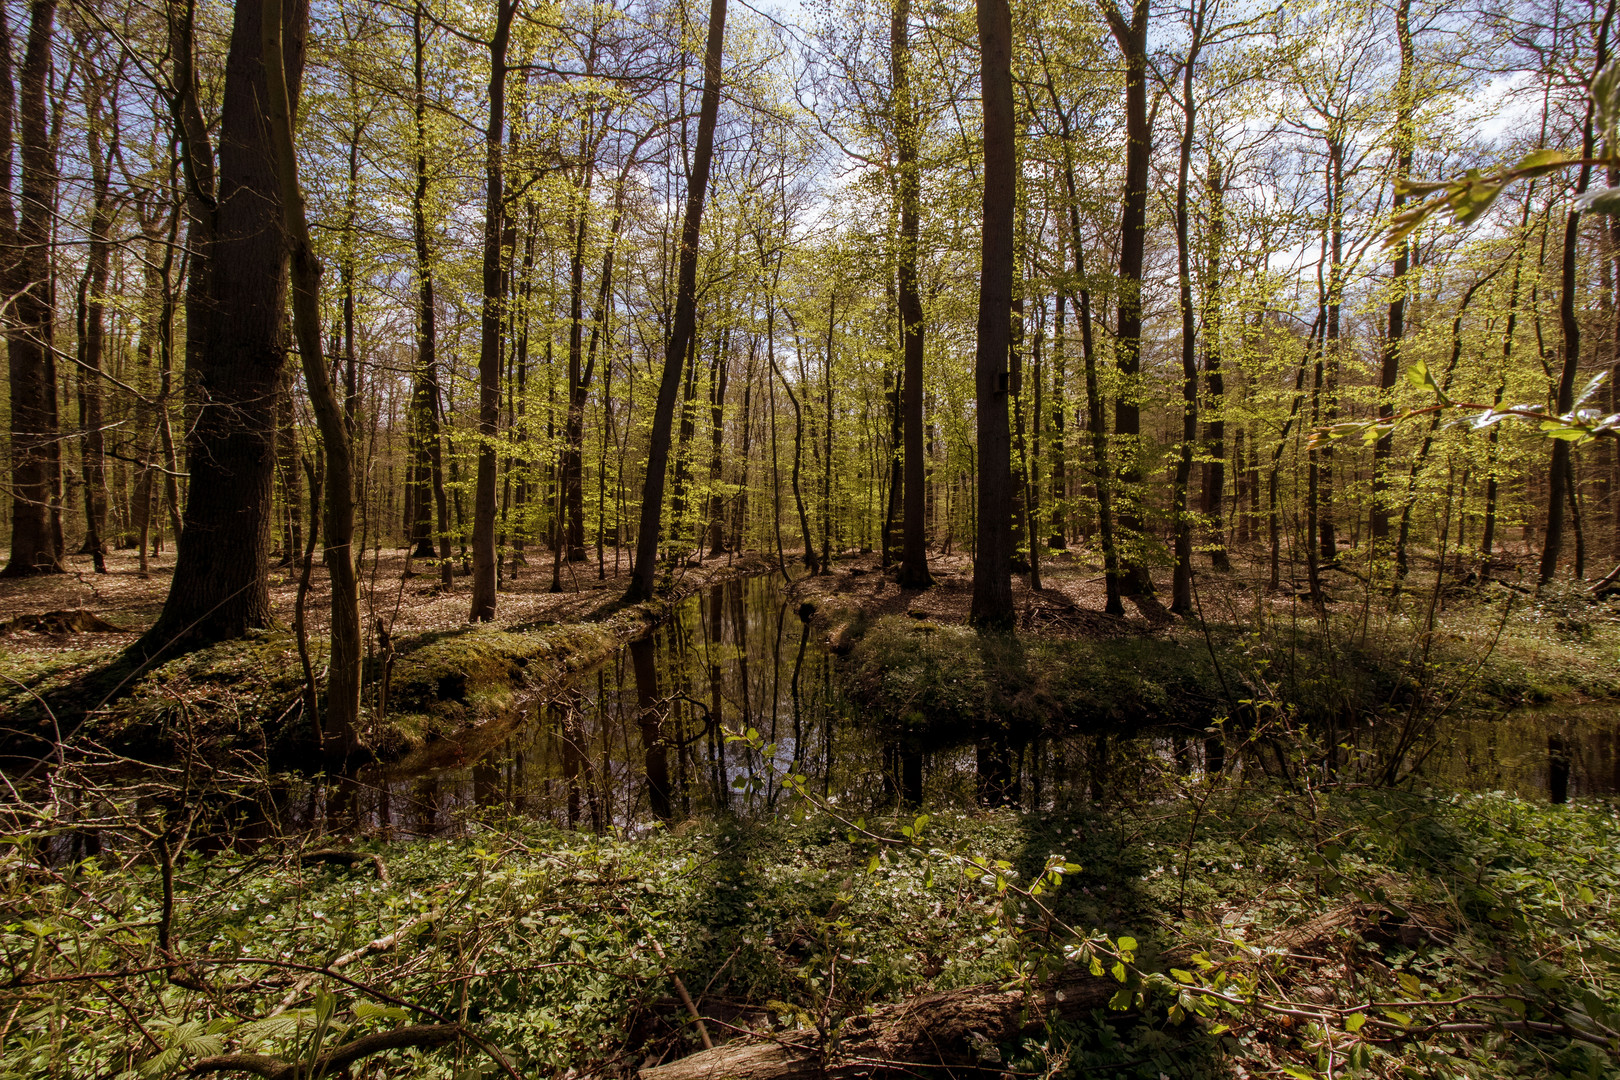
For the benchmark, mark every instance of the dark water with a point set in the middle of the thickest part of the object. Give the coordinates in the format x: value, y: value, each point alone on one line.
x: 643, y: 737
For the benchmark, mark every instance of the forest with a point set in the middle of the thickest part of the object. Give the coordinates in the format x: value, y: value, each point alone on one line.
x: 642, y: 539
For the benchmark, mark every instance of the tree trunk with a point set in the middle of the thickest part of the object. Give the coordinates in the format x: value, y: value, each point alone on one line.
x: 341, y: 734
x: 489, y: 344
x: 29, y: 282
x: 92, y: 320
x: 992, y: 563
x: 680, y: 336
x: 1095, y: 424
x: 827, y: 462
x: 798, y: 455
x: 914, y: 572
x: 1059, y: 514
x: 425, y: 399
x: 1558, y: 469
x: 1389, y: 372
x: 1180, y: 506
x: 719, y: 371
x: 1214, y: 488
x: 1132, y: 39
x: 236, y: 301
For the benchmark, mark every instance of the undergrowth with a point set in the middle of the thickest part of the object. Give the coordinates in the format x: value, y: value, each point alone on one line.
x: 1465, y: 936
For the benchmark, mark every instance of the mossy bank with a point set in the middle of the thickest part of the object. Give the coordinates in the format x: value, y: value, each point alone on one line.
x: 249, y: 694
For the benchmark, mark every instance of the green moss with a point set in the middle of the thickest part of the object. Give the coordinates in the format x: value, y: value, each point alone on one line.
x: 236, y: 694
x: 941, y: 682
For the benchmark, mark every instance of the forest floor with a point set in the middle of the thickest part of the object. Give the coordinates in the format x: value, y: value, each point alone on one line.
x: 1233, y: 927
x: 64, y: 638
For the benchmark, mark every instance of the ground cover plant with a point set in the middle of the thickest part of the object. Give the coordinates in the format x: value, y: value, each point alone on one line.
x: 1259, y: 928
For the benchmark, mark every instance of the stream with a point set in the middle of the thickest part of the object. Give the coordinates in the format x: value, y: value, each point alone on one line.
x: 642, y: 737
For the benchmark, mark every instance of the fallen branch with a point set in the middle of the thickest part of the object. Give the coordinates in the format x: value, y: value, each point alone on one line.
x: 337, y: 1060
x: 382, y: 944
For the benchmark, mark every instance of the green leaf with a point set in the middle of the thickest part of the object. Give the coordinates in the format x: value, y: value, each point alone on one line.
x: 1557, y: 429
x: 1127, y: 944
x: 1540, y: 162
x: 1354, y: 1021
x: 1418, y: 375
x: 1181, y: 976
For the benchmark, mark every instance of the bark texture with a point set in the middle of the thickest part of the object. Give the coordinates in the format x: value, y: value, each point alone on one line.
x: 236, y: 340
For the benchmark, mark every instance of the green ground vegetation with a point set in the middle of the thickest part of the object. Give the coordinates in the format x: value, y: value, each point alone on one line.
x: 1300, y: 930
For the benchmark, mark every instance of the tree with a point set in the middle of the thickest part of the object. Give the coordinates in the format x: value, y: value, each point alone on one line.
x: 236, y: 299
x: 914, y: 541
x: 1131, y: 36
x: 28, y: 280
x: 1559, y: 487
x: 337, y: 526
x: 992, y: 564
x: 102, y: 148
x: 490, y: 323
x: 685, y: 315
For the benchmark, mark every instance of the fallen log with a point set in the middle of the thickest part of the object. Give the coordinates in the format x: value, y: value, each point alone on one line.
x: 956, y: 1028
x: 963, y: 1028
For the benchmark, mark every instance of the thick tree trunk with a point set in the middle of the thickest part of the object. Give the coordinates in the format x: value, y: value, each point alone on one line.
x: 29, y: 283
x: 675, y: 349
x: 992, y: 562
x: 236, y: 301
x: 493, y: 314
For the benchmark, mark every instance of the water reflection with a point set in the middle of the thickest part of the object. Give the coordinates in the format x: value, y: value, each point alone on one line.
x: 642, y: 738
